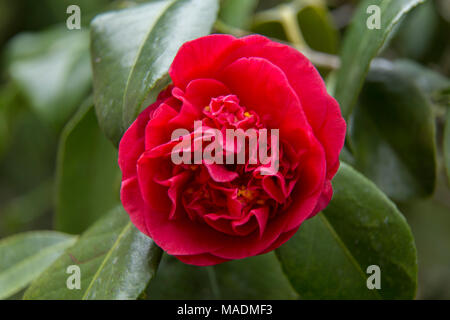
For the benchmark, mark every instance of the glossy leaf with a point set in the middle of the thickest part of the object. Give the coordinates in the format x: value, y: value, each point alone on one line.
x: 393, y: 134
x: 47, y: 66
x: 24, y: 256
x: 257, y: 277
x: 329, y: 256
x: 116, y: 262
x: 88, y: 176
x: 362, y: 44
x: 132, y: 50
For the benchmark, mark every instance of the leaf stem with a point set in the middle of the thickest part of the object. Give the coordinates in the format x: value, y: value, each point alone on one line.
x: 290, y: 25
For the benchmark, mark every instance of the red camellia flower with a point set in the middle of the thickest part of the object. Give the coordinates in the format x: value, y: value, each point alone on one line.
x: 207, y: 213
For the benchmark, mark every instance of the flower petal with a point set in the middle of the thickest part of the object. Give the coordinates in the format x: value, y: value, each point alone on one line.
x: 199, y: 58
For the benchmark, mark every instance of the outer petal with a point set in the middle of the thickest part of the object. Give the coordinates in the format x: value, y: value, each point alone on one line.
x: 199, y: 58
x: 251, y: 245
x: 132, y: 143
x: 324, y: 199
x: 134, y: 205
x: 130, y: 149
x: 183, y: 236
x: 281, y: 240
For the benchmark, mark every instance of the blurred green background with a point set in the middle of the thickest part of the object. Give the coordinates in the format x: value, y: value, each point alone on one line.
x: 45, y: 77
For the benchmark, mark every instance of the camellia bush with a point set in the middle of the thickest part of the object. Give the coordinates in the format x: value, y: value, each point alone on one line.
x: 125, y: 171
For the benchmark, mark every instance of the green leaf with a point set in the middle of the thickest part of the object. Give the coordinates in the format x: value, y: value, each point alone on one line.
x: 393, y: 134
x: 115, y: 259
x: 429, y: 81
x: 88, y: 177
x: 24, y: 256
x: 176, y: 280
x: 257, y: 277
x: 418, y: 32
x: 52, y: 70
x: 362, y: 44
x: 447, y: 146
x: 328, y: 257
x: 132, y: 51
x: 237, y: 13
x: 318, y: 29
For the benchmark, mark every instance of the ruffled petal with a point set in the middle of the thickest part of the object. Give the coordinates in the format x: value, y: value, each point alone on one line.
x: 219, y: 174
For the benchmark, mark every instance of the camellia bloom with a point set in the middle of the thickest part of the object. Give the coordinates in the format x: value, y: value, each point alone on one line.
x: 208, y: 213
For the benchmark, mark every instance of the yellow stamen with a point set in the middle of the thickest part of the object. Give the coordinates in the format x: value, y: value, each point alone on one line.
x: 245, y: 193
x: 247, y: 114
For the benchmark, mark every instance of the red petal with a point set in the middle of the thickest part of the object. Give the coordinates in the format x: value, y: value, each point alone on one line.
x: 182, y: 236
x: 219, y: 174
x: 244, y: 226
x: 175, y: 185
x: 199, y: 58
x: 201, y: 260
x: 132, y: 143
x: 134, y: 205
x: 324, y: 199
